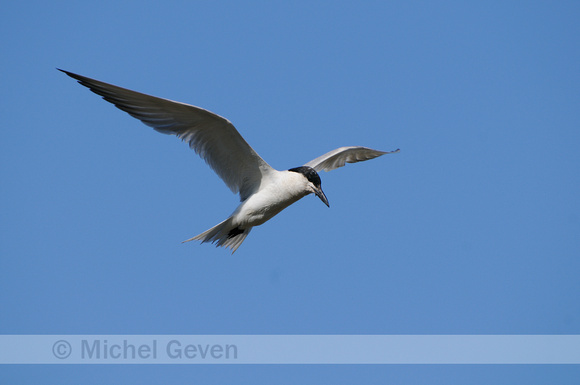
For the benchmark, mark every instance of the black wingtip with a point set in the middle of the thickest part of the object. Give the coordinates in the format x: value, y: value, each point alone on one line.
x: 74, y: 76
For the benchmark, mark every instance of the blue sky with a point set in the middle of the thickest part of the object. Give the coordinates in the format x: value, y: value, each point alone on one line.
x: 472, y: 229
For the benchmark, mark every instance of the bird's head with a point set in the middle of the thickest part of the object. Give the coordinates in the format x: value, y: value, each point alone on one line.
x: 314, y: 184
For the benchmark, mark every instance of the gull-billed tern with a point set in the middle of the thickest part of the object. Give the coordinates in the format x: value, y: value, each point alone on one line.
x: 264, y: 191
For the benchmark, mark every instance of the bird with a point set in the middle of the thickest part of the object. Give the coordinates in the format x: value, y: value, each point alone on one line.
x: 264, y: 191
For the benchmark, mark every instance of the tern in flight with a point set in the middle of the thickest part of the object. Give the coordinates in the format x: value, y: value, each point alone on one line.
x: 264, y: 191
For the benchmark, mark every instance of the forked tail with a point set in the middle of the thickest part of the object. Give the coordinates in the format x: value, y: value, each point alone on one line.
x: 224, y: 234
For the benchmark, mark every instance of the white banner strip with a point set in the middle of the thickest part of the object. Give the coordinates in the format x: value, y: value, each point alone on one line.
x: 289, y: 349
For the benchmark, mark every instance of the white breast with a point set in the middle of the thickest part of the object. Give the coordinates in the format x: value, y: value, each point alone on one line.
x: 275, y: 194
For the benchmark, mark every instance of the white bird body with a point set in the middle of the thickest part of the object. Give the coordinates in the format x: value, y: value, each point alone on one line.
x: 264, y: 191
x: 280, y: 190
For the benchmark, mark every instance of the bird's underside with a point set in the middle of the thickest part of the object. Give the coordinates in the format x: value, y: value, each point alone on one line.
x: 264, y: 191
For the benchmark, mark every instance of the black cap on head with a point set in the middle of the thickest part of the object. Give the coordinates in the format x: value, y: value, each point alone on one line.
x: 313, y: 178
x: 309, y: 173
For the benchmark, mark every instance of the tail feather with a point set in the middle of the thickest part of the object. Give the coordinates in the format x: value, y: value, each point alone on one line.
x: 224, y: 234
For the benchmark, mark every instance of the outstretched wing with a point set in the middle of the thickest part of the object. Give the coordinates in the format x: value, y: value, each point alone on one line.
x: 212, y: 137
x: 339, y: 157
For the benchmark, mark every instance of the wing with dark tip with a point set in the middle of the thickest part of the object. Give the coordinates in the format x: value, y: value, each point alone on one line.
x: 339, y: 157
x: 212, y: 137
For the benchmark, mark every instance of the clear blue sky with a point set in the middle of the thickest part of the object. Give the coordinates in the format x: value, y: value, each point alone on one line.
x: 474, y: 228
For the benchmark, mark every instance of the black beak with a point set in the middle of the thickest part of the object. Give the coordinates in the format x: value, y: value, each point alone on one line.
x: 319, y: 193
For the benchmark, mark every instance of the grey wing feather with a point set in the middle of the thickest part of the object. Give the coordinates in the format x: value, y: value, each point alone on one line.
x: 211, y: 136
x: 339, y: 157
